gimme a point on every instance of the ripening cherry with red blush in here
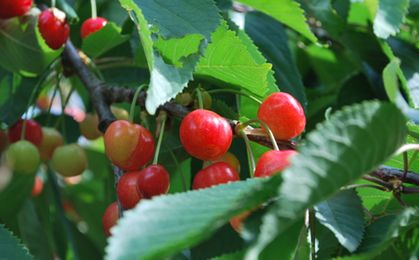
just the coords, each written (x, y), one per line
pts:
(33, 132)
(283, 114)
(153, 180)
(215, 174)
(127, 189)
(110, 217)
(53, 27)
(205, 134)
(92, 25)
(129, 146)
(273, 162)
(13, 8)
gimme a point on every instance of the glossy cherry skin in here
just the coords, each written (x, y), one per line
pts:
(4, 141)
(229, 158)
(215, 174)
(283, 114)
(273, 162)
(205, 134)
(110, 217)
(92, 25)
(38, 186)
(154, 180)
(129, 146)
(127, 189)
(13, 8)
(69, 160)
(33, 132)
(53, 28)
(50, 141)
(23, 157)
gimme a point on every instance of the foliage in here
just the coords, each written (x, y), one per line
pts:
(353, 65)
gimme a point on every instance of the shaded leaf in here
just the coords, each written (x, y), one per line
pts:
(11, 247)
(343, 215)
(390, 16)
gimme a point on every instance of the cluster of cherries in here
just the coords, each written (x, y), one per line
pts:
(52, 23)
(36, 143)
(205, 135)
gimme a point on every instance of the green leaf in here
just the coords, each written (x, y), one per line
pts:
(390, 16)
(271, 39)
(228, 59)
(287, 12)
(11, 247)
(386, 229)
(351, 143)
(103, 40)
(343, 215)
(175, 49)
(22, 49)
(390, 80)
(152, 229)
(68, 10)
(171, 19)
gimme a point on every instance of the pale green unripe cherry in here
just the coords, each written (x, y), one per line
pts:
(23, 157)
(69, 160)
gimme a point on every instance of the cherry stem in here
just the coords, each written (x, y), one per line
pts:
(250, 157)
(238, 92)
(161, 119)
(133, 102)
(94, 10)
(52, 3)
(23, 133)
(200, 100)
(266, 128)
(51, 103)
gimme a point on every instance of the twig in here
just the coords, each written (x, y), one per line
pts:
(312, 227)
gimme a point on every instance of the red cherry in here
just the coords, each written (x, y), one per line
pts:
(153, 181)
(217, 173)
(92, 25)
(33, 132)
(110, 217)
(53, 27)
(12, 8)
(205, 134)
(129, 146)
(4, 141)
(283, 114)
(272, 162)
(37, 186)
(127, 189)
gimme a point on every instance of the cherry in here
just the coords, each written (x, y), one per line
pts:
(229, 158)
(33, 132)
(129, 146)
(38, 186)
(89, 127)
(272, 162)
(127, 189)
(110, 217)
(69, 160)
(13, 8)
(4, 141)
(217, 173)
(206, 100)
(92, 25)
(53, 27)
(23, 157)
(120, 113)
(283, 114)
(154, 180)
(51, 140)
(205, 134)
(184, 98)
